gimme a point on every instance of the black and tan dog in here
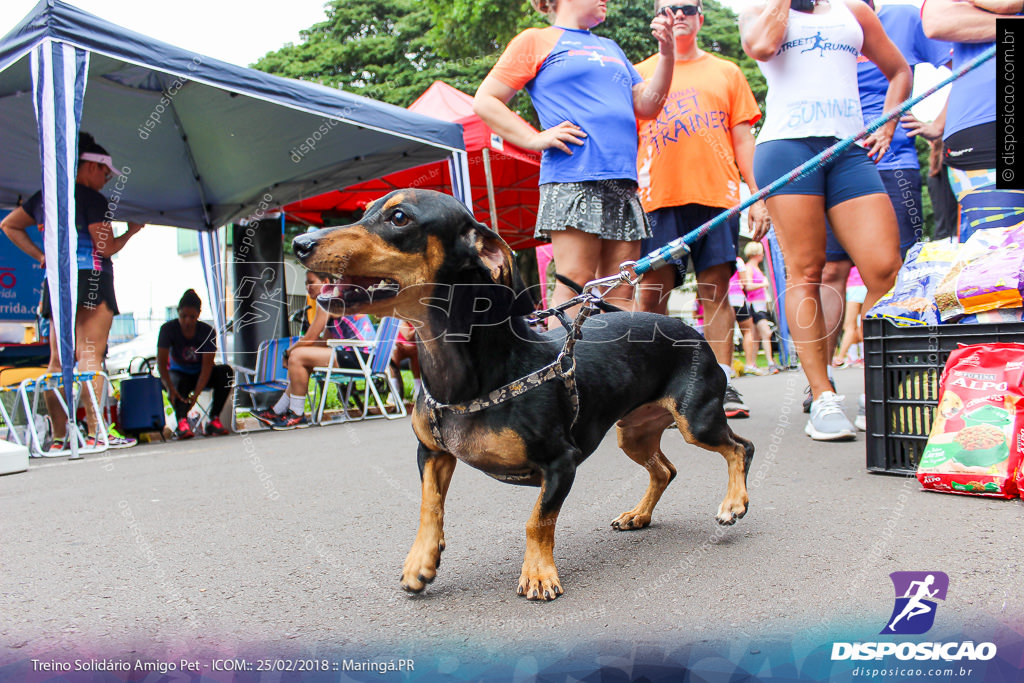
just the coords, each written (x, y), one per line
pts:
(421, 256)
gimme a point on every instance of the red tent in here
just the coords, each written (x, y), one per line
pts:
(513, 174)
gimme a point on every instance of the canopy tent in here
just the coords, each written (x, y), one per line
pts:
(201, 142)
(509, 172)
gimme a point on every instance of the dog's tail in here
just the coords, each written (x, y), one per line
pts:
(604, 306)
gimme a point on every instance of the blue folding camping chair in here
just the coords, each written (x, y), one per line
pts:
(265, 382)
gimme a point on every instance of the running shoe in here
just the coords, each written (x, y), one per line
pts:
(828, 422)
(733, 404)
(58, 448)
(184, 431)
(267, 417)
(216, 428)
(116, 439)
(808, 397)
(290, 421)
(861, 421)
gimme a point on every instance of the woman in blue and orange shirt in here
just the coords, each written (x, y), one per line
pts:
(587, 96)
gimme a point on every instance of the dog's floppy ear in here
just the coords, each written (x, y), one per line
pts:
(494, 254)
(487, 252)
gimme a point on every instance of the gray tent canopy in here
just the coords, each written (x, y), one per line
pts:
(205, 141)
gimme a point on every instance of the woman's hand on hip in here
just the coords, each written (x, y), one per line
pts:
(877, 144)
(557, 136)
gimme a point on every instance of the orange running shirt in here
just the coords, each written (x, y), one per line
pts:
(686, 154)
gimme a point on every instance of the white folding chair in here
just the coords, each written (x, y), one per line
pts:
(371, 366)
(55, 382)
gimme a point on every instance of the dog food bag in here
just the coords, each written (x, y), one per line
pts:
(911, 301)
(994, 281)
(1002, 315)
(976, 443)
(984, 276)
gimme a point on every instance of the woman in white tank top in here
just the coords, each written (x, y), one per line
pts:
(808, 51)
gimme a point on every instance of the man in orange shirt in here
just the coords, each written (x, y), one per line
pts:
(689, 163)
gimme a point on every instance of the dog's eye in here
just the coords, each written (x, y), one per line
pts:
(398, 219)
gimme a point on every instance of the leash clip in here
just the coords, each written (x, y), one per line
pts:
(624, 273)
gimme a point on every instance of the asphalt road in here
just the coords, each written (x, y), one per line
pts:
(291, 543)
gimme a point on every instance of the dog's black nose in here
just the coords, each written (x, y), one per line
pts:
(303, 246)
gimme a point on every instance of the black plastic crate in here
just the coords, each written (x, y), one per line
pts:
(902, 367)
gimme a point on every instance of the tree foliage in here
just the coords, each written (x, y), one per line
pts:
(383, 49)
(392, 50)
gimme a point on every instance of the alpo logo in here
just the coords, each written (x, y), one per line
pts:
(916, 595)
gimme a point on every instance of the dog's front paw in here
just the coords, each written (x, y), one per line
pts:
(421, 566)
(730, 513)
(628, 521)
(540, 583)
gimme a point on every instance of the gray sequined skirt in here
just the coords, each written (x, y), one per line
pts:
(609, 209)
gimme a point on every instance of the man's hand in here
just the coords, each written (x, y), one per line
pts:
(758, 220)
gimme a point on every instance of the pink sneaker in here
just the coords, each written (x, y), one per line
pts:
(183, 431)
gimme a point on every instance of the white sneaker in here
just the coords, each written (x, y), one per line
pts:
(861, 421)
(828, 422)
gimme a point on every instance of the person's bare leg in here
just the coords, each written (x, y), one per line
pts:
(652, 292)
(749, 342)
(576, 256)
(866, 227)
(613, 254)
(92, 330)
(849, 332)
(764, 332)
(719, 318)
(301, 361)
(833, 298)
(58, 418)
(800, 226)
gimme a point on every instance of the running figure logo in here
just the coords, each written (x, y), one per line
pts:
(819, 44)
(916, 593)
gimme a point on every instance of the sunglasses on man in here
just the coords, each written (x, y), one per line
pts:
(687, 10)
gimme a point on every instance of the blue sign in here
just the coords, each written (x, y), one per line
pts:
(21, 279)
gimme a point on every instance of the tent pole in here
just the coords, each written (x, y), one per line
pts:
(492, 205)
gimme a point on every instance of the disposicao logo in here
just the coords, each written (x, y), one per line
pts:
(916, 593)
(913, 614)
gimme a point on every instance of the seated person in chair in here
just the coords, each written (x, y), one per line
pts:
(311, 351)
(184, 353)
